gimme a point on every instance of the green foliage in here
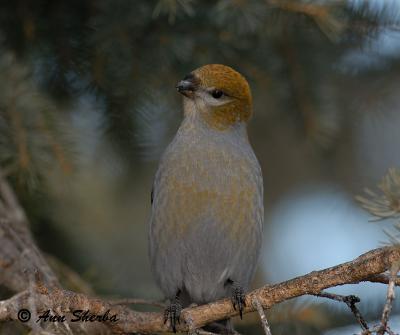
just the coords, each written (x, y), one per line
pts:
(30, 136)
(120, 51)
(385, 204)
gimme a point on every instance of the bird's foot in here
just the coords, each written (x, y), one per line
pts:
(237, 297)
(173, 313)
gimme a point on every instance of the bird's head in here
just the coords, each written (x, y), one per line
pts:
(219, 94)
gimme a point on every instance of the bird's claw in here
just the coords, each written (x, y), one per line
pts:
(238, 299)
(173, 314)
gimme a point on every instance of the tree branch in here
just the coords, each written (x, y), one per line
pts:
(360, 269)
(23, 268)
(19, 254)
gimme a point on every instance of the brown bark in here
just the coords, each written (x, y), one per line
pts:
(23, 269)
(360, 269)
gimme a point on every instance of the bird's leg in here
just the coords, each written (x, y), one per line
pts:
(173, 312)
(237, 296)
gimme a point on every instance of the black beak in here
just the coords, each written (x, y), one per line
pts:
(187, 85)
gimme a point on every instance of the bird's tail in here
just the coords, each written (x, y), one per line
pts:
(220, 327)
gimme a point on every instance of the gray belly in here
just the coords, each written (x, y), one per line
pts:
(206, 222)
(202, 261)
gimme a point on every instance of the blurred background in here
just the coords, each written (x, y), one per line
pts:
(88, 103)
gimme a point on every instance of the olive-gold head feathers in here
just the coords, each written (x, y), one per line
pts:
(221, 94)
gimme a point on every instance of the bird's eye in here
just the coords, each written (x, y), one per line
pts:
(217, 94)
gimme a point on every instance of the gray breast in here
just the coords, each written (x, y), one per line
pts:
(206, 216)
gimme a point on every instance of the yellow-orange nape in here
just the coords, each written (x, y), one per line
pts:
(234, 86)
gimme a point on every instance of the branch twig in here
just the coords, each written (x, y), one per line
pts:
(389, 299)
(263, 317)
(350, 301)
(383, 278)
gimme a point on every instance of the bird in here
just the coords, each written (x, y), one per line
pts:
(207, 211)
